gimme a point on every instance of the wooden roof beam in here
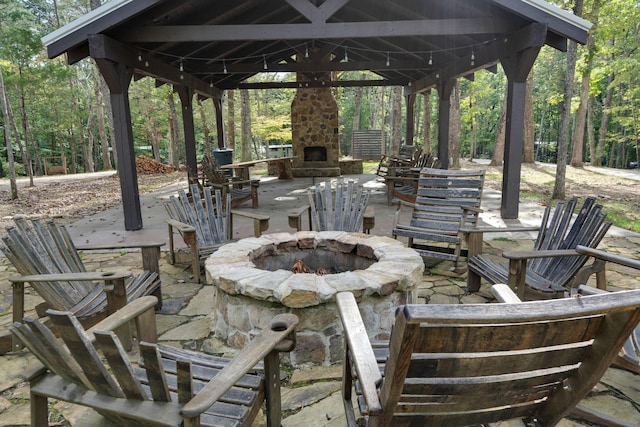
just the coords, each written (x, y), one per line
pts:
(261, 32)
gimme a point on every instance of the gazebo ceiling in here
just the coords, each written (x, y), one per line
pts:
(212, 46)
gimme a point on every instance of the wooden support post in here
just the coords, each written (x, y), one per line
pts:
(186, 99)
(444, 92)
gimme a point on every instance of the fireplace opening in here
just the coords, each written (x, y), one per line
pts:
(315, 154)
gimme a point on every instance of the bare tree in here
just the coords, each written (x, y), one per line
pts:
(4, 104)
(396, 120)
(498, 147)
(245, 113)
(455, 128)
(565, 115)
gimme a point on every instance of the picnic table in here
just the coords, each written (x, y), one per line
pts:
(241, 169)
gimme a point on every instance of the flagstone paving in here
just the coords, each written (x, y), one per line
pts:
(310, 396)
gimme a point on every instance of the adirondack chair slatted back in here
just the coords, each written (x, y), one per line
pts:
(36, 247)
(558, 232)
(343, 211)
(212, 224)
(446, 201)
(456, 365)
(169, 387)
(212, 171)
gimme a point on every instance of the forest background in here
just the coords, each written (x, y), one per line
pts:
(582, 105)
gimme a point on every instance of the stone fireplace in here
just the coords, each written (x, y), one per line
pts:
(314, 128)
(253, 282)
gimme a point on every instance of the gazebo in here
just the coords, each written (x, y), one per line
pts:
(203, 48)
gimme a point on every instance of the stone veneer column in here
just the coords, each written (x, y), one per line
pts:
(314, 123)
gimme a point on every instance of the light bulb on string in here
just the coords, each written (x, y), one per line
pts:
(473, 57)
(264, 62)
(346, 55)
(430, 58)
(181, 70)
(387, 58)
(306, 51)
(224, 66)
(139, 57)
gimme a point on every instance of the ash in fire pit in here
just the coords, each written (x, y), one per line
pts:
(254, 282)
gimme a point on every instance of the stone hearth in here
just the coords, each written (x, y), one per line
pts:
(253, 282)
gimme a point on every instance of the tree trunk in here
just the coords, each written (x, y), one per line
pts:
(174, 133)
(100, 118)
(577, 155)
(604, 122)
(230, 132)
(245, 113)
(205, 126)
(565, 115)
(591, 138)
(529, 131)
(25, 131)
(454, 126)
(396, 120)
(4, 104)
(498, 147)
(426, 128)
(357, 108)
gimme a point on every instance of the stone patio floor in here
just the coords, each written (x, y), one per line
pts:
(310, 396)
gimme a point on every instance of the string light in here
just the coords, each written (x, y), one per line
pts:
(473, 58)
(430, 58)
(306, 51)
(387, 58)
(224, 66)
(139, 57)
(346, 55)
(264, 62)
(181, 70)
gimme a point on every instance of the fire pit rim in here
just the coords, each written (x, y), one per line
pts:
(397, 268)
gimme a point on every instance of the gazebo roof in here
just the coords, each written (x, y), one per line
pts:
(212, 46)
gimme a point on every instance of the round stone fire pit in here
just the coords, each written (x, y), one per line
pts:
(254, 281)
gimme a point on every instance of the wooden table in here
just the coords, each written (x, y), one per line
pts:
(241, 169)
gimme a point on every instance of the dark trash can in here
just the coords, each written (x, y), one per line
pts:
(223, 156)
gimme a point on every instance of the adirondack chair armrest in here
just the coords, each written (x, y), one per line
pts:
(524, 255)
(70, 277)
(475, 235)
(109, 246)
(503, 293)
(608, 257)
(278, 336)
(180, 226)
(362, 356)
(141, 309)
(295, 216)
(260, 221)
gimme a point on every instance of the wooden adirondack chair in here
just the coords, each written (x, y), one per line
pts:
(459, 364)
(553, 266)
(346, 210)
(629, 356)
(407, 157)
(45, 256)
(446, 201)
(402, 182)
(171, 387)
(203, 226)
(240, 190)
